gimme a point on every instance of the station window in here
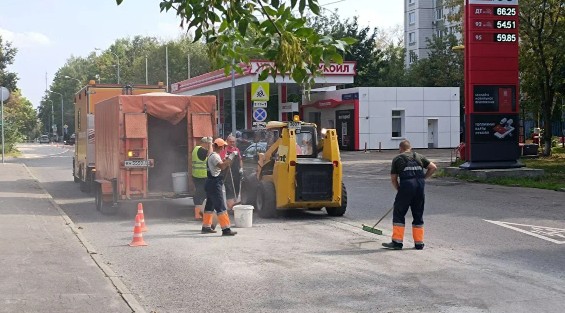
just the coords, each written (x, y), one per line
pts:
(397, 123)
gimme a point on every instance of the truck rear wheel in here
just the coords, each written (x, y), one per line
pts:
(266, 200)
(102, 206)
(339, 211)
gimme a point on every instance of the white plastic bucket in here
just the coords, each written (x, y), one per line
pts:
(180, 182)
(243, 216)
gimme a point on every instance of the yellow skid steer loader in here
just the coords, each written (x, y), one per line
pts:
(297, 171)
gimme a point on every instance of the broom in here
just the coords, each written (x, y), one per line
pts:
(373, 229)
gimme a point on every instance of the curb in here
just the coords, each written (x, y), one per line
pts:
(124, 292)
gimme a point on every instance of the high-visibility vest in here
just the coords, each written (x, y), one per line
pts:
(198, 167)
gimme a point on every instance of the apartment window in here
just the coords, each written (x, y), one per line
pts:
(412, 18)
(397, 123)
(411, 38)
(412, 57)
(439, 13)
(411, 1)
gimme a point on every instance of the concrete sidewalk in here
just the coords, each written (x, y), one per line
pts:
(45, 264)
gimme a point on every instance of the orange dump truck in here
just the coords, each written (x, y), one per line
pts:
(85, 106)
(144, 146)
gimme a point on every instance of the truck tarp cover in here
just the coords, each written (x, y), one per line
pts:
(109, 123)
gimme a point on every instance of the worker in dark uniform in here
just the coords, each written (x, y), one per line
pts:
(213, 187)
(199, 157)
(409, 167)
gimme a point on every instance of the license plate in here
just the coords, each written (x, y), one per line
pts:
(295, 125)
(137, 163)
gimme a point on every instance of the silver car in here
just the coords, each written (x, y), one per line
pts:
(44, 139)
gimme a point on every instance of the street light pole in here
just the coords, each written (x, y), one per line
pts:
(52, 116)
(146, 77)
(78, 80)
(4, 95)
(62, 114)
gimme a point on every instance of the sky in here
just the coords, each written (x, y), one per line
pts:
(48, 32)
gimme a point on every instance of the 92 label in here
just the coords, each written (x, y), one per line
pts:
(505, 37)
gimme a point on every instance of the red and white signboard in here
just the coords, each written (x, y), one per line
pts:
(346, 68)
(491, 83)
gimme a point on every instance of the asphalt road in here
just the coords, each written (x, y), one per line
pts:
(488, 249)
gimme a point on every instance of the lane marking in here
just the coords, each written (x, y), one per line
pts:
(555, 235)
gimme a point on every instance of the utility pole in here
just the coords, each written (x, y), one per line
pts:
(146, 77)
(167, 65)
(188, 65)
(233, 126)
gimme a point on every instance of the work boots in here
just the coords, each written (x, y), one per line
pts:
(208, 230)
(393, 245)
(228, 232)
(419, 246)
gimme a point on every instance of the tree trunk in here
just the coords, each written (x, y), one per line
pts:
(547, 105)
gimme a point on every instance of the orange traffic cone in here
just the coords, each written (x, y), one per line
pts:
(140, 213)
(137, 234)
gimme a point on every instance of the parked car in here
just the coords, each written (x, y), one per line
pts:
(250, 154)
(44, 139)
(71, 140)
(246, 137)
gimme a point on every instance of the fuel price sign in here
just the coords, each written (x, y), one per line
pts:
(491, 83)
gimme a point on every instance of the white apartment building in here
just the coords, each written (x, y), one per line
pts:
(422, 20)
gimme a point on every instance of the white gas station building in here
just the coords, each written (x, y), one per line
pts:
(372, 116)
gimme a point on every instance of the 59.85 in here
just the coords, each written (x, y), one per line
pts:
(505, 37)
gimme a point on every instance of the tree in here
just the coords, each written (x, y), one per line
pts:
(442, 68)
(20, 120)
(281, 36)
(363, 51)
(19, 115)
(7, 55)
(541, 57)
(132, 53)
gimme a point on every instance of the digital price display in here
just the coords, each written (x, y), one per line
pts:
(491, 83)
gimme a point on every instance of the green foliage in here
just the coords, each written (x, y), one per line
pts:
(7, 55)
(19, 116)
(281, 36)
(542, 62)
(380, 61)
(133, 55)
(442, 68)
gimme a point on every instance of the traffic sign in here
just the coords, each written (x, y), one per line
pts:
(260, 114)
(260, 91)
(259, 104)
(259, 125)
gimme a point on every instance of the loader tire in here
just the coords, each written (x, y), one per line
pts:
(339, 211)
(249, 187)
(266, 200)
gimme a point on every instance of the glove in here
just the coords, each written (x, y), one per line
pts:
(231, 156)
(240, 171)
